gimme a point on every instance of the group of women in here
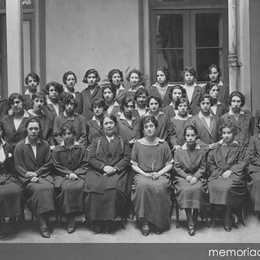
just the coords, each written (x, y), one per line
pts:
(113, 150)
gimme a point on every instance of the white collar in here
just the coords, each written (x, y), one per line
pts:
(122, 116)
(177, 116)
(28, 142)
(231, 112)
(184, 147)
(202, 116)
(63, 143)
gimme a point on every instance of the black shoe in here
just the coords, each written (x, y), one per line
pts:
(228, 228)
(108, 227)
(96, 229)
(45, 232)
(145, 229)
(235, 220)
(43, 227)
(191, 229)
(71, 226)
(158, 231)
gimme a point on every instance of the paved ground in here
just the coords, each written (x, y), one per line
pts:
(28, 233)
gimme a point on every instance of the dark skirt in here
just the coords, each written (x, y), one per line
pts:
(40, 197)
(152, 200)
(70, 196)
(226, 192)
(254, 189)
(106, 206)
(191, 196)
(11, 200)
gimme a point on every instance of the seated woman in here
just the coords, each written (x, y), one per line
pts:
(105, 182)
(152, 163)
(11, 194)
(190, 179)
(14, 125)
(70, 165)
(109, 95)
(32, 158)
(70, 116)
(46, 122)
(227, 165)
(140, 99)
(180, 121)
(253, 182)
(94, 126)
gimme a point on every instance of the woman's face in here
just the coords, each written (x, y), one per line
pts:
(154, 105)
(161, 78)
(128, 109)
(32, 84)
(190, 136)
(205, 105)
(236, 104)
(108, 95)
(116, 79)
(149, 129)
(53, 93)
(98, 110)
(70, 81)
(69, 107)
(67, 136)
(176, 94)
(17, 106)
(109, 126)
(33, 130)
(134, 79)
(91, 79)
(227, 135)
(189, 78)
(214, 75)
(38, 103)
(182, 109)
(141, 100)
(214, 92)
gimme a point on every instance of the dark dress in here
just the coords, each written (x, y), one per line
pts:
(192, 163)
(4, 107)
(153, 91)
(194, 102)
(93, 131)
(11, 194)
(230, 191)
(253, 183)
(170, 110)
(69, 192)
(152, 198)
(40, 195)
(78, 98)
(106, 195)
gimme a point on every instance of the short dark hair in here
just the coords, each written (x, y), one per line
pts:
(14, 96)
(158, 99)
(39, 95)
(69, 98)
(58, 87)
(100, 102)
(202, 97)
(217, 68)
(111, 87)
(34, 76)
(33, 120)
(88, 72)
(180, 101)
(190, 127)
(138, 72)
(110, 116)
(237, 94)
(146, 120)
(69, 126)
(209, 86)
(229, 125)
(191, 70)
(66, 74)
(125, 101)
(165, 71)
(114, 71)
(141, 91)
(183, 91)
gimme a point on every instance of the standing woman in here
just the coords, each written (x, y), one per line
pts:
(14, 125)
(176, 92)
(242, 119)
(106, 178)
(32, 158)
(190, 180)
(90, 93)
(115, 77)
(109, 95)
(94, 126)
(152, 163)
(227, 165)
(140, 99)
(135, 80)
(70, 79)
(70, 165)
(161, 87)
(11, 194)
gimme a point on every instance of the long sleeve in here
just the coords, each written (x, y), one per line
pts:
(125, 159)
(177, 166)
(253, 155)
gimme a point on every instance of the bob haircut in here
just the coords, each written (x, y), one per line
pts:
(88, 72)
(114, 71)
(181, 101)
(140, 92)
(99, 103)
(66, 74)
(190, 70)
(33, 120)
(209, 86)
(190, 127)
(138, 72)
(237, 94)
(69, 99)
(58, 87)
(165, 71)
(183, 92)
(158, 99)
(110, 116)
(111, 87)
(70, 127)
(146, 120)
(33, 76)
(2, 128)
(14, 96)
(217, 68)
(208, 96)
(39, 95)
(125, 101)
(229, 125)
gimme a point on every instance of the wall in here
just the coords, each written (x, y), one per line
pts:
(255, 52)
(80, 35)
